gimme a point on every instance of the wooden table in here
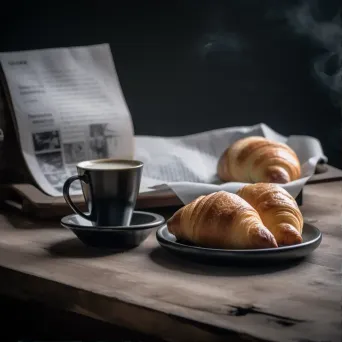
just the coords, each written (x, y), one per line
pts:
(153, 292)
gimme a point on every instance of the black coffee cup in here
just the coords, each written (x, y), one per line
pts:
(110, 188)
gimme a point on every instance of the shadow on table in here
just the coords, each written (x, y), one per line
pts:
(171, 262)
(74, 248)
(19, 220)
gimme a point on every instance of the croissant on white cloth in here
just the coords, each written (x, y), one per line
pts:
(257, 159)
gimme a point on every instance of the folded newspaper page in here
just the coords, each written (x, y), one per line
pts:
(68, 107)
(187, 164)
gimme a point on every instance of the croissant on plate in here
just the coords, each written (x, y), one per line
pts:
(221, 220)
(277, 209)
(257, 159)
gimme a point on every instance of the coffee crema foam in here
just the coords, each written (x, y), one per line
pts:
(109, 165)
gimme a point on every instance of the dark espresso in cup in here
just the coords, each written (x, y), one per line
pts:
(110, 188)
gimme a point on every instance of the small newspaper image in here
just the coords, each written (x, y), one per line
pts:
(68, 107)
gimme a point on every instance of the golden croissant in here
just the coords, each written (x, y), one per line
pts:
(277, 209)
(257, 159)
(221, 220)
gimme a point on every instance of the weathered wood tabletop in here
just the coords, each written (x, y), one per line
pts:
(153, 292)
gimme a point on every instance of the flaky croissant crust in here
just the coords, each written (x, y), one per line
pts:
(221, 220)
(277, 209)
(257, 159)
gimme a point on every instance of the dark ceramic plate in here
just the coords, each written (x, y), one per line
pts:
(114, 237)
(311, 240)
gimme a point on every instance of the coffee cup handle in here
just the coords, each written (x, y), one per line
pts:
(66, 194)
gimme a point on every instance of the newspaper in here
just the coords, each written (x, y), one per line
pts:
(188, 164)
(68, 106)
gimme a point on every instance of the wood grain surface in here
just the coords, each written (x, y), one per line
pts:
(152, 292)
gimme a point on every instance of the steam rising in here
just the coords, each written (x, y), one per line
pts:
(225, 41)
(327, 35)
(304, 20)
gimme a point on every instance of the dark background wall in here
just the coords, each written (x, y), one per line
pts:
(190, 66)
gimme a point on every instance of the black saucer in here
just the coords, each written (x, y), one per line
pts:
(122, 237)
